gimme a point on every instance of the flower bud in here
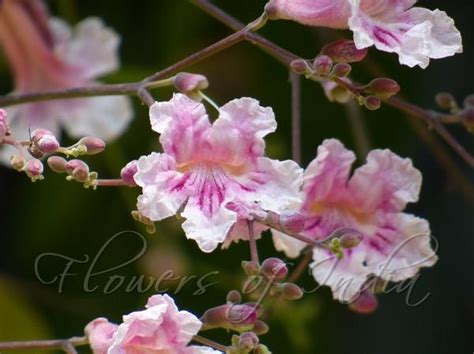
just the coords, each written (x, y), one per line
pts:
(247, 342)
(341, 70)
(44, 141)
(93, 145)
(274, 268)
(261, 349)
(260, 328)
(57, 164)
(100, 333)
(366, 303)
(291, 291)
(351, 240)
(187, 82)
(383, 88)
(322, 65)
(372, 103)
(344, 51)
(300, 66)
(231, 316)
(234, 297)
(445, 100)
(3, 124)
(78, 170)
(34, 169)
(17, 162)
(128, 172)
(292, 222)
(251, 268)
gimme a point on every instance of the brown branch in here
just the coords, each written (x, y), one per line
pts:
(62, 344)
(295, 81)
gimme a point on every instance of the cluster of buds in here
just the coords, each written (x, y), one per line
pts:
(191, 84)
(76, 170)
(42, 142)
(247, 343)
(461, 114)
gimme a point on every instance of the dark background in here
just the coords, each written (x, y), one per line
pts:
(61, 217)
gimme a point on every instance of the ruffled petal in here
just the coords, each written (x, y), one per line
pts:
(163, 188)
(326, 176)
(91, 47)
(386, 182)
(289, 245)
(183, 125)
(237, 135)
(415, 35)
(196, 349)
(103, 117)
(208, 230)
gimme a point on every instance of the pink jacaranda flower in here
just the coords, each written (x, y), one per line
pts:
(100, 333)
(160, 328)
(416, 34)
(46, 54)
(218, 171)
(393, 245)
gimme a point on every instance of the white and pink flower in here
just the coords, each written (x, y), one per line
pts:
(218, 171)
(416, 34)
(46, 54)
(395, 245)
(160, 328)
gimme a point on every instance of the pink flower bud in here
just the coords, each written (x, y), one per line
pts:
(322, 65)
(383, 88)
(3, 124)
(372, 103)
(128, 172)
(365, 304)
(100, 333)
(251, 268)
(291, 291)
(77, 169)
(300, 66)
(187, 82)
(232, 316)
(234, 297)
(57, 164)
(247, 342)
(260, 328)
(344, 51)
(274, 268)
(93, 145)
(34, 169)
(445, 100)
(341, 70)
(17, 162)
(43, 142)
(292, 222)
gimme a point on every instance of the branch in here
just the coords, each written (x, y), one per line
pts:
(295, 80)
(286, 57)
(62, 344)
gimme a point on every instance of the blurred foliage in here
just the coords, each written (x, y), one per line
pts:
(60, 217)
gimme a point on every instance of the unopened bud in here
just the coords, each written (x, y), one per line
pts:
(187, 82)
(383, 88)
(251, 268)
(341, 70)
(44, 141)
(3, 124)
(260, 328)
(274, 268)
(322, 65)
(34, 169)
(445, 100)
(372, 103)
(78, 170)
(234, 297)
(93, 145)
(57, 164)
(247, 342)
(261, 349)
(17, 162)
(292, 222)
(344, 51)
(366, 303)
(300, 66)
(291, 291)
(351, 240)
(128, 172)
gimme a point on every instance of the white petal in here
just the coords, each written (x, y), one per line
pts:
(289, 245)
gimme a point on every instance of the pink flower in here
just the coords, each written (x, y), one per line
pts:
(100, 333)
(416, 34)
(45, 54)
(209, 166)
(160, 329)
(395, 245)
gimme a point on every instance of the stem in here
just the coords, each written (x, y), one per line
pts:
(64, 344)
(295, 80)
(359, 131)
(110, 183)
(301, 267)
(209, 343)
(252, 243)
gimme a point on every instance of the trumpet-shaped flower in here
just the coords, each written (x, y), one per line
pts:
(45, 54)
(218, 171)
(161, 328)
(416, 34)
(394, 245)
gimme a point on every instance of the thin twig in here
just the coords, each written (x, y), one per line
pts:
(301, 267)
(358, 129)
(252, 242)
(209, 343)
(295, 81)
(62, 344)
(110, 183)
